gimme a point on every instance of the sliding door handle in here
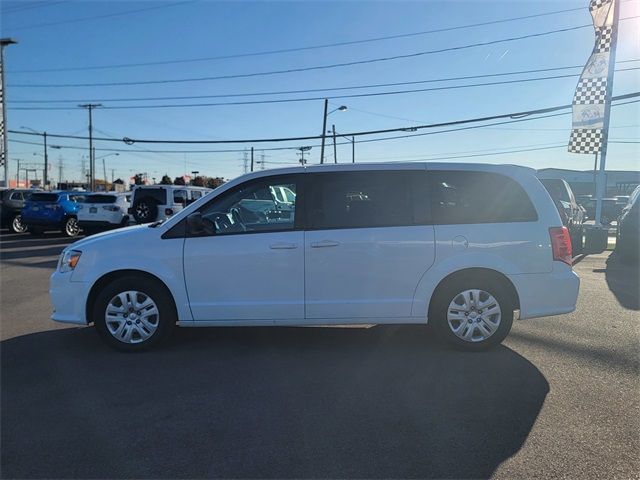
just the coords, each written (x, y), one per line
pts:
(283, 246)
(324, 243)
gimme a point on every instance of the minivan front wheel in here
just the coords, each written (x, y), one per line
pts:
(133, 313)
(472, 315)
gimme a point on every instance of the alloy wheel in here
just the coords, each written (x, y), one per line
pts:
(17, 225)
(71, 227)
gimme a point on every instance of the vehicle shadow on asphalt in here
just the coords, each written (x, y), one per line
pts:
(623, 279)
(263, 403)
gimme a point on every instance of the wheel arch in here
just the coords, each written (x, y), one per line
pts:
(107, 278)
(485, 273)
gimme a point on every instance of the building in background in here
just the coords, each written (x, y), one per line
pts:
(618, 182)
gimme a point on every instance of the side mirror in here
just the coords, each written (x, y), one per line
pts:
(195, 224)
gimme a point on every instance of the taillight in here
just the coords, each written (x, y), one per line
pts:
(168, 211)
(111, 208)
(561, 244)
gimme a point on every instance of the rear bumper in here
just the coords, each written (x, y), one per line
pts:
(68, 298)
(546, 294)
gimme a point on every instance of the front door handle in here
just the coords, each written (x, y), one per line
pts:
(324, 243)
(283, 246)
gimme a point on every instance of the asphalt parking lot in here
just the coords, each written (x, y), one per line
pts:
(561, 398)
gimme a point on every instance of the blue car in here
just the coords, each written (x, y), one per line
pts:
(52, 211)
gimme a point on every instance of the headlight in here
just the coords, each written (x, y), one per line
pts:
(69, 260)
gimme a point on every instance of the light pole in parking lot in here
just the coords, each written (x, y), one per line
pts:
(351, 139)
(341, 108)
(4, 42)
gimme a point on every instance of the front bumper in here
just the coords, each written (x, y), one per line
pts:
(546, 294)
(69, 298)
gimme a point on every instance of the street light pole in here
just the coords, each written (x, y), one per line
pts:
(5, 149)
(324, 128)
(335, 151)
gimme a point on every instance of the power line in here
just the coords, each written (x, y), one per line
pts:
(513, 116)
(30, 6)
(299, 49)
(305, 69)
(312, 90)
(310, 99)
(96, 17)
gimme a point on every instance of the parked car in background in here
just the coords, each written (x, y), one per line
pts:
(44, 211)
(611, 209)
(628, 231)
(11, 203)
(152, 203)
(352, 248)
(103, 211)
(571, 213)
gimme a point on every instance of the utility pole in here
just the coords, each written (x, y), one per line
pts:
(335, 151)
(17, 175)
(324, 128)
(252, 159)
(60, 169)
(112, 175)
(302, 150)
(245, 161)
(104, 170)
(92, 166)
(46, 161)
(4, 158)
(353, 149)
(262, 160)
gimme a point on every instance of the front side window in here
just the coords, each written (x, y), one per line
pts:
(364, 199)
(195, 194)
(478, 197)
(16, 196)
(251, 207)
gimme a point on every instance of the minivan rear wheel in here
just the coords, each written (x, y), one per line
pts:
(472, 313)
(133, 313)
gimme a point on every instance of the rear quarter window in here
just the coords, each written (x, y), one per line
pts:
(459, 197)
(44, 197)
(157, 194)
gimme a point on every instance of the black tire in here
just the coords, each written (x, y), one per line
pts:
(627, 249)
(35, 230)
(16, 224)
(157, 292)
(145, 210)
(71, 228)
(447, 292)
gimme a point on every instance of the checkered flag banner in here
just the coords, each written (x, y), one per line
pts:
(590, 97)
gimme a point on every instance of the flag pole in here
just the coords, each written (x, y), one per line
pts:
(601, 179)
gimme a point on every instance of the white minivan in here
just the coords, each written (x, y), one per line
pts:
(461, 246)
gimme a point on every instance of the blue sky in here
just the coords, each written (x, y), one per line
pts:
(208, 28)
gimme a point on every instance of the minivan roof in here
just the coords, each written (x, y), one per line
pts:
(393, 166)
